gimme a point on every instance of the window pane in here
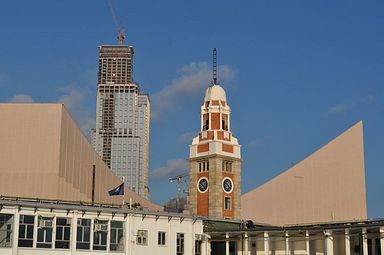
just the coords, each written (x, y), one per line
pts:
(67, 233)
(21, 231)
(79, 234)
(29, 219)
(59, 233)
(30, 231)
(48, 235)
(87, 233)
(113, 236)
(40, 235)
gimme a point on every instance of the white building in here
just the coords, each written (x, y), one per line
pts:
(48, 227)
(39, 227)
(121, 136)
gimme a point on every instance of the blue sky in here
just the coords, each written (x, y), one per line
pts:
(297, 73)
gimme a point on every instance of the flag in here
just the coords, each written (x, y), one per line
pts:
(119, 190)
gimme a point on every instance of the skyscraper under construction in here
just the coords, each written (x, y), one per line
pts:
(121, 135)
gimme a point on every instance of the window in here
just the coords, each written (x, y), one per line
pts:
(6, 222)
(224, 122)
(100, 233)
(83, 234)
(161, 238)
(44, 232)
(26, 230)
(226, 166)
(180, 244)
(117, 234)
(197, 247)
(63, 233)
(227, 203)
(205, 122)
(142, 237)
(204, 166)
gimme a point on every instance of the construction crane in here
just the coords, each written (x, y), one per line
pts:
(178, 179)
(120, 29)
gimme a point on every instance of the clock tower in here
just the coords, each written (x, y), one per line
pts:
(215, 161)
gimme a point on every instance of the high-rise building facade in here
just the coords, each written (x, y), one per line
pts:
(215, 161)
(121, 135)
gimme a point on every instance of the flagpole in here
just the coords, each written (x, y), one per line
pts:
(124, 190)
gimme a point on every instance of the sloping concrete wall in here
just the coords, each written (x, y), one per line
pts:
(29, 150)
(328, 185)
(43, 154)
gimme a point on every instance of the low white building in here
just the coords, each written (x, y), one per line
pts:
(31, 227)
(48, 227)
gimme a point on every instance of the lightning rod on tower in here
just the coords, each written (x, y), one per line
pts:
(214, 67)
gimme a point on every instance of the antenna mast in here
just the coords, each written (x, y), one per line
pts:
(120, 29)
(214, 66)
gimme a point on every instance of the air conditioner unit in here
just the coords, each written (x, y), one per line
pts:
(45, 223)
(200, 237)
(97, 227)
(141, 233)
(101, 228)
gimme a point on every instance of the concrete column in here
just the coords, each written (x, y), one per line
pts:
(328, 242)
(347, 242)
(53, 232)
(226, 244)
(207, 246)
(365, 241)
(245, 243)
(91, 234)
(266, 243)
(286, 243)
(15, 234)
(373, 246)
(74, 233)
(35, 227)
(127, 242)
(108, 234)
(307, 242)
(382, 240)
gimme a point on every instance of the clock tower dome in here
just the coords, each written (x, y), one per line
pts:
(215, 161)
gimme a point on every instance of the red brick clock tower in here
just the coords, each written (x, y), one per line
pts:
(215, 161)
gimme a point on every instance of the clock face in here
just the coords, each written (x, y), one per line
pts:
(227, 185)
(203, 184)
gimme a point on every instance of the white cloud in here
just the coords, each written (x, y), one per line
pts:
(349, 105)
(186, 137)
(74, 101)
(340, 108)
(21, 98)
(194, 79)
(173, 167)
(255, 143)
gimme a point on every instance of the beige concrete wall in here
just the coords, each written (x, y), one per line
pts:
(44, 154)
(29, 149)
(329, 185)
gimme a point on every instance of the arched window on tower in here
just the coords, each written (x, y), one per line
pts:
(224, 122)
(205, 122)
